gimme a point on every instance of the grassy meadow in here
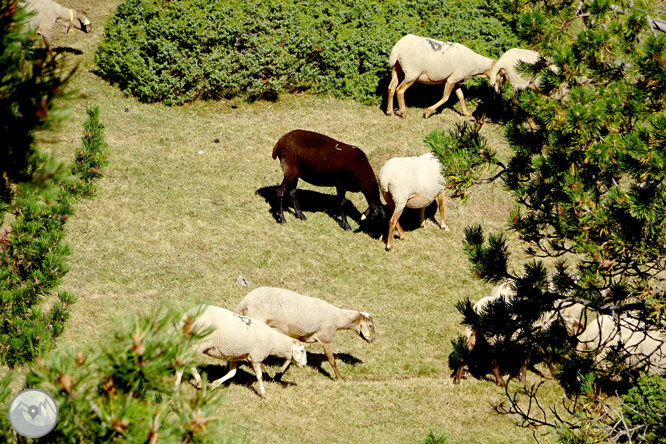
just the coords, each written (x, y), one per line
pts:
(178, 217)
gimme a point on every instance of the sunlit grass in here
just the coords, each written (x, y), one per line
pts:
(179, 217)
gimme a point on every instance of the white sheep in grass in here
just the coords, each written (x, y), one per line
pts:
(430, 61)
(645, 347)
(305, 318)
(571, 313)
(239, 338)
(411, 182)
(505, 70)
(47, 13)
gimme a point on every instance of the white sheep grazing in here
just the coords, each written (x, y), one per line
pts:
(305, 318)
(411, 182)
(505, 71)
(46, 13)
(645, 347)
(430, 61)
(239, 338)
(571, 314)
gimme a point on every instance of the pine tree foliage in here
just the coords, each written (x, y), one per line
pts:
(587, 174)
(29, 89)
(33, 253)
(124, 391)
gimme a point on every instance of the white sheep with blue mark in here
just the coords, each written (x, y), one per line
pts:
(239, 338)
(305, 318)
(430, 61)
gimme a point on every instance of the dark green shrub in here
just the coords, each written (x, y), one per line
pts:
(645, 409)
(177, 51)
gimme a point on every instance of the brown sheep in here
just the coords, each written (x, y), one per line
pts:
(323, 161)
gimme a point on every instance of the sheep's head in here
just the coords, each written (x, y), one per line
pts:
(365, 327)
(374, 220)
(497, 79)
(298, 355)
(80, 21)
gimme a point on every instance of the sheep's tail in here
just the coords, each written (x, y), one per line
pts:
(276, 149)
(393, 58)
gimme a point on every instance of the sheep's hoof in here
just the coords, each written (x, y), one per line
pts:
(427, 113)
(301, 216)
(281, 220)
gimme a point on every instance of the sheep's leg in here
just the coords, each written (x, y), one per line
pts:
(498, 375)
(278, 376)
(402, 107)
(179, 377)
(459, 373)
(401, 232)
(423, 221)
(343, 219)
(233, 365)
(289, 183)
(297, 209)
(197, 377)
(328, 351)
(448, 87)
(440, 204)
(461, 98)
(392, 224)
(257, 370)
(391, 89)
(523, 369)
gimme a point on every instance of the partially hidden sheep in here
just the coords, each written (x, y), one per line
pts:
(239, 338)
(411, 182)
(505, 70)
(644, 347)
(572, 315)
(430, 61)
(48, 13)
(305, 318)
(324, 161)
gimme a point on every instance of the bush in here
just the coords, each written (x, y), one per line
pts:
(645, 409)
(178, 51)
(122, 390)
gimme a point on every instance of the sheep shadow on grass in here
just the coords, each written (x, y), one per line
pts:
(419, 96)
(317, 202)
(244, 374)
(318, 361)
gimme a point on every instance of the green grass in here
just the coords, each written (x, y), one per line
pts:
(170, 225)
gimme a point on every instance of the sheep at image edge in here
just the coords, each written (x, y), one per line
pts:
(239, 338)
(324, 161)
(47, 13)
(430, 61)
(305, 318)
(411, 182)
(644, 346)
